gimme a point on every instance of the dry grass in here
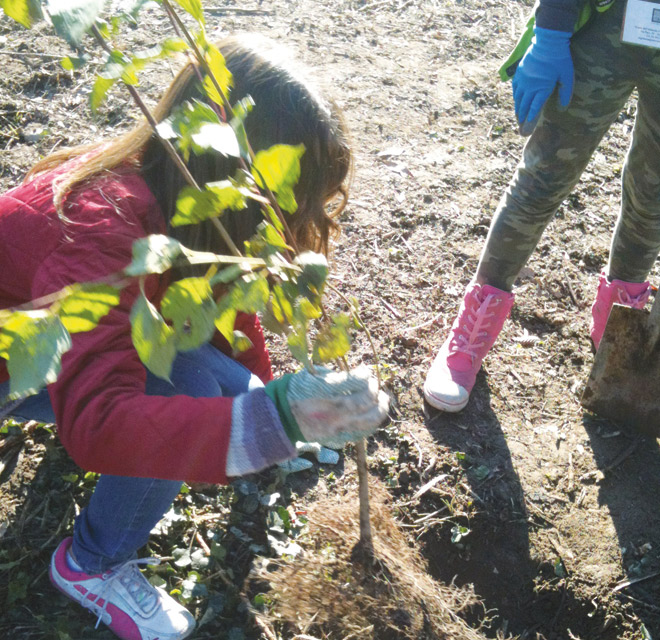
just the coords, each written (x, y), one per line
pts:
(332, 591)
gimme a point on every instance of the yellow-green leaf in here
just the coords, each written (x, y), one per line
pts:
(34, 343)
(194, 8)
(25, 12)
(85, 305)
(278, 168)
(226, 315)
(153, 339)
(218, 68)
(99, 92)
(193, 205)
(333, 341)
(254, 294)
(241, 342)
(189, 304)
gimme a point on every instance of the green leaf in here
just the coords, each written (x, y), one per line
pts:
(271, 236)
(34, 343)
(241, 110)
(219, 137)
(297, 341)
(193, 205)
(154, 254)
(280, 306)
(189, 304)
(85, 305)
(254, 292)
(218, 67)
(226, 315)
(99, 92)
(333, 341)
(25, 12)
(311, 280)
(153, 340)
(194, 8)
(459, 532)
(241, 342)
(185, 122)
(227, 275)
(71, 63)
(73, 18)
(18, 588)
(278, 168)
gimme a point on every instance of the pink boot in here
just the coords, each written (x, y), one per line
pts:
(454, 370)
(630, 294)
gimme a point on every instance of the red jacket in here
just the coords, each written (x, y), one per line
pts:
(104, 419)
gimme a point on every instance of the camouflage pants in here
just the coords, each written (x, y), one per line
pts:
(606, 73)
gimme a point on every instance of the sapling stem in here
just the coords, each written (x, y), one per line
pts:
(169, 147)
(182, 30)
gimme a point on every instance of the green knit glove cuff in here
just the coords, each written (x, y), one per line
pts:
(276, 390)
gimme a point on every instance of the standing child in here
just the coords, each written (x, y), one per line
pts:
(221, 416)
(594, 74)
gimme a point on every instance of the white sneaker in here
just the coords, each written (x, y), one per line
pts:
(123, 599)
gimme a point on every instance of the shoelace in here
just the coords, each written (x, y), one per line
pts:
(468, 344)
(135, 583)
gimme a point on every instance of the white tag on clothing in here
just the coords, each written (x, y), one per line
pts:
(641, 23)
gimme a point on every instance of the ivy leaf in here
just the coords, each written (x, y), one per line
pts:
(189, 304)
(33, 343)
(333, 341)
(25, 12)
(153, 340)
(278, 168)
(85, 305)
(73, 18)
(311, 280)
(194, 8)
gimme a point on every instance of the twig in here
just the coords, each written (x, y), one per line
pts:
(391, 309)
(622, 456)
(425, 324)
(45, 56)
(239, 11)
(572, 294)
(169, 147)
(627, 583)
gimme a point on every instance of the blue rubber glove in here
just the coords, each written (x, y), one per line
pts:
(546, 63)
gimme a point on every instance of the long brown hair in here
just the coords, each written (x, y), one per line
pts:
(287, 111)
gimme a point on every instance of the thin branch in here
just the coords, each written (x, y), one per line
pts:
(181, 28)
(169, 147)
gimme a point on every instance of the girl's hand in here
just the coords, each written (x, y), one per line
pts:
(330, 407)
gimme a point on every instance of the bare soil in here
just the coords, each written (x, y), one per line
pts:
(550, 513)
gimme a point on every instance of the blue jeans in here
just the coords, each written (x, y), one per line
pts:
(123, 510)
